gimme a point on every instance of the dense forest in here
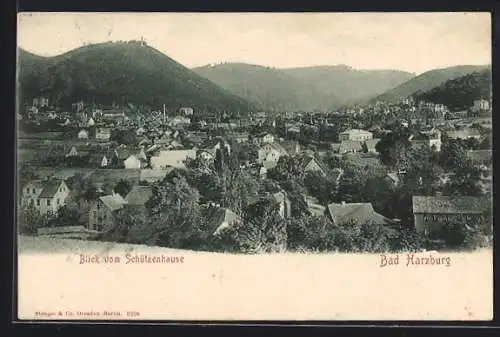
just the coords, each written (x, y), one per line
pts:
(120, 72)
(427, 81)
(460, 93)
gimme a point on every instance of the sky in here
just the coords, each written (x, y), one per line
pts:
(413, 42)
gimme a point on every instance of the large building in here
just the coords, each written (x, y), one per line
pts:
(356, 134)
(47, 196)
(431, 213)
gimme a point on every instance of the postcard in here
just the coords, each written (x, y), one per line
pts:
(254, 166)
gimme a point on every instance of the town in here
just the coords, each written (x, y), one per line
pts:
(398, 174)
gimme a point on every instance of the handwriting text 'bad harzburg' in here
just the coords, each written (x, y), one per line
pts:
(412, 259)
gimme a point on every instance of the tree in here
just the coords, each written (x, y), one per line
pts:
(452, 155)
(321, 187)
(26, 174)
(122, 188)
(262, 228)
(28, 220)
(176, 217)
(465, 181)
(241, 192)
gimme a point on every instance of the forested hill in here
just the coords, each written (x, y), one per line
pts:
(461, 92)
(427, 81)
(308, 88)
(121, 72)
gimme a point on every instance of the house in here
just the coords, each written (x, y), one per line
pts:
(173, 158)
(478, 105)
(311, 164)
(222, 219)
(480, 157)
(83, 134)
(179, 120)
(132, 162)
(91, 122)
(206, 154)
(350, 146)
(432, 213)
(102, 212)
(335, 147)
(40, 102)
(270, 152)
(431, 138)
(45, 195)
(264, 138)
(240, 137)
(356, 135)
(465, 133)
(140, 131)
(359, 213)
(139, 196)
(100, 160)
(153, 175)
(371, 145)
(103, 134)
(186, 111)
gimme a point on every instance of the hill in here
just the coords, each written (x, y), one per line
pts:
(460, 92)
(309, 88)
(268, 88)
(121, 72)
(427, 81)
(346, 85)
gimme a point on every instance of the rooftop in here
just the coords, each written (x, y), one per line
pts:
(449, 205)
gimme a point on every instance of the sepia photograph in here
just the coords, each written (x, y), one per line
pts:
(254, 166)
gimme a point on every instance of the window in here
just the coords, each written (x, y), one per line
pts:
(38, 202)
(27, 191)
(33, 190)
(58, 201)
(48, 202)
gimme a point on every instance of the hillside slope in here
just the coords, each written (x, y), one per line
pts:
(121, 72)
(309, 88)
(427, 81)
(460, 92)
(348, 85)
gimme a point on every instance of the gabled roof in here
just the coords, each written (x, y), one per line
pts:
(480, 155)
(113, 201)
(153, 175)
(49, 187)
(361, 213)
(371, 143)
(449, 205)
(223, 218)
(350, 145)
(139, 195)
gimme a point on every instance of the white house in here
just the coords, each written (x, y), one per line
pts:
(356, 134)
(45, 195)
(172, 158)
(270, 152)
(132, 162)
(103, 134)
(83, 134)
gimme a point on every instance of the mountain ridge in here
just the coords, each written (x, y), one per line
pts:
(308, 88)
(427, 81)
(117, 72)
